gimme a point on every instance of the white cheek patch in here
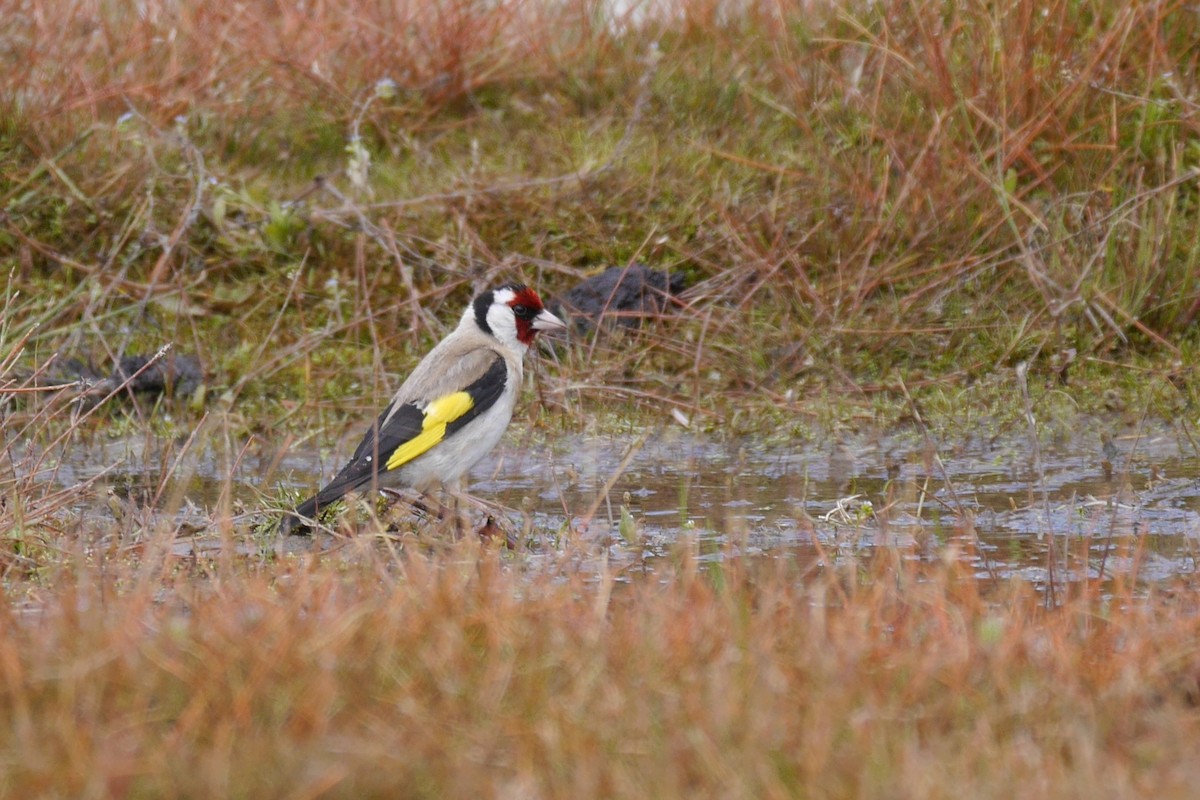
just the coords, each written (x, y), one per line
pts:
(502, 321)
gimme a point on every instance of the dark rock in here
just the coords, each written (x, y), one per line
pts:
(172, 374)
(624, 295)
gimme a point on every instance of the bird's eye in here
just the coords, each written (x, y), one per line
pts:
(521, 311)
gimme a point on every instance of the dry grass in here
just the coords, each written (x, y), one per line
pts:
(881, 208)
(468, 675)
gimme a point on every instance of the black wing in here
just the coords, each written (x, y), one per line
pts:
(484, 392)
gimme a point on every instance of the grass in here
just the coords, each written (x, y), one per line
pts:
(468, 675)
(882, 209)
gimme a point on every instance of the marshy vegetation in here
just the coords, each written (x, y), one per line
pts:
(951, 248)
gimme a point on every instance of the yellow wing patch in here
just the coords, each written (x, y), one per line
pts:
(438, 414)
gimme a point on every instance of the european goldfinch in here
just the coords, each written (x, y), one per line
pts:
(453, 408)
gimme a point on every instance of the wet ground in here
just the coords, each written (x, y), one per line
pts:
(1095, 504)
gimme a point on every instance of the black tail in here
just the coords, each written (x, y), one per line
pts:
(298, 521)
(358, 473)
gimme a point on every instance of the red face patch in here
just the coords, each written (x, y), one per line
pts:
(526, 306)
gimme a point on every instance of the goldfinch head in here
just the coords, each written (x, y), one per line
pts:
(514, 314)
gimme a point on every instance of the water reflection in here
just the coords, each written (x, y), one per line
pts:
(875, 490)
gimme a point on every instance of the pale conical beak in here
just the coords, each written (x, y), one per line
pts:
(545, 321)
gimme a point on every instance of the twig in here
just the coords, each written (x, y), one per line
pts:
(162, 352)
(1039, 469)
(1035, 445)
(186, 220)
(960, 508)
(630, 452)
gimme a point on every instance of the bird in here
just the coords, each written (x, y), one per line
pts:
(451, 410)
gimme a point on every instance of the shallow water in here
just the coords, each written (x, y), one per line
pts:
(1123, 503)
(818, 501)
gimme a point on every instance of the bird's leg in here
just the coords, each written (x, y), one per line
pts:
(431, 507)
(460, 525)
(462, 518)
